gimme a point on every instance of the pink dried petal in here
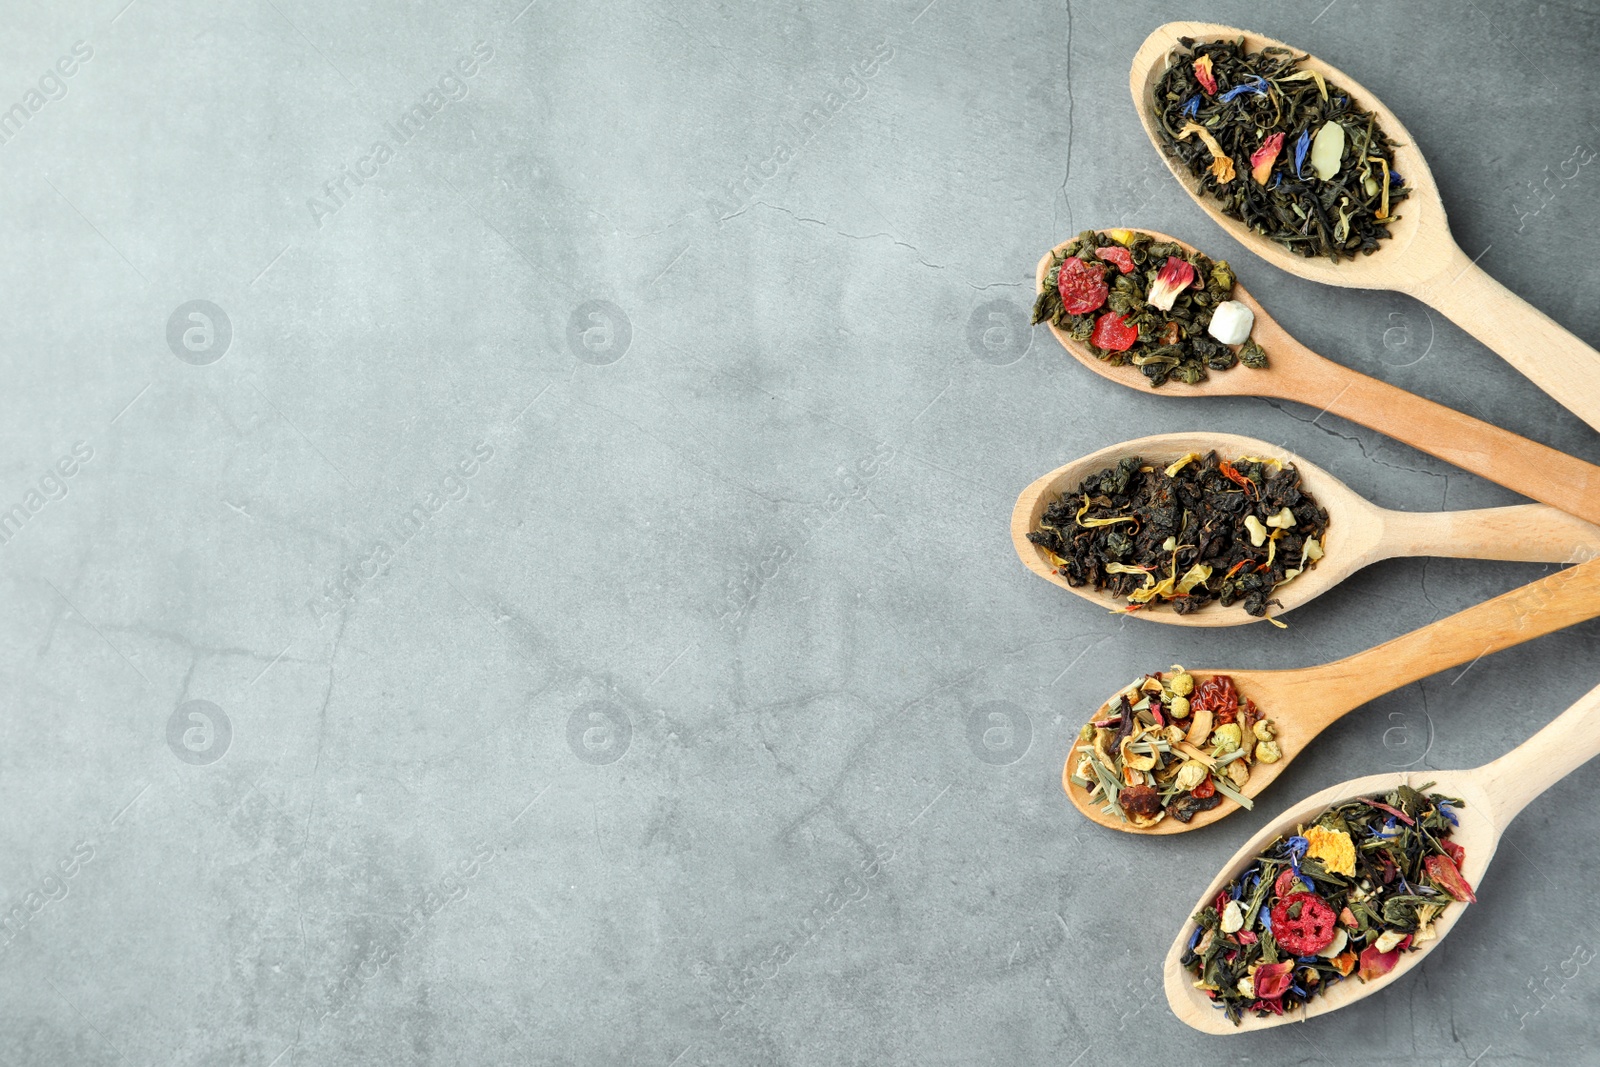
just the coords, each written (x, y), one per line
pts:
(1175, 276)
(1375, 964)
(1272, 979)
(1262, 159)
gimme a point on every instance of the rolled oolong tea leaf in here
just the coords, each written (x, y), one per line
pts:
(1133, 299)
(1320, 180)
(1362, 884)
(1169, 747)
(1197, 531)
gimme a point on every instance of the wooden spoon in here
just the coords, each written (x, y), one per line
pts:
(1302, 703)
(1419, 257)
(1359, 533)
(1294, 372)
(1494, 794)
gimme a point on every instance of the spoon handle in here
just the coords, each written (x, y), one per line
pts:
(1535, 470)
(1571, 740)
(1554, 602)
(1521, 334)
(1532, 533)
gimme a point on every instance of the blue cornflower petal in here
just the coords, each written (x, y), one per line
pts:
(1445, 805)
(1266, 919)
(1395, 179)
(1256, 86)
(1300, 148)
(1277, 180)
(1191, 107)
(1195, 940)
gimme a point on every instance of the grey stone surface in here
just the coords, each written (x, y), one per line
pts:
(711, 448)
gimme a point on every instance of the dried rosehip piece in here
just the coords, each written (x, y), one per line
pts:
(1303, 923)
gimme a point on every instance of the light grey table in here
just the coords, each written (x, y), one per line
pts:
(550, 600)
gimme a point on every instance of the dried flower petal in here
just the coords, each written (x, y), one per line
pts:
(1272, 980)
(1255, 87)
(1262, 159)
(1202, 72)
(1375, 964)
(1174, 277)
(1221, 162)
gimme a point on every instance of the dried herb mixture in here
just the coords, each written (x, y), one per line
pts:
(1169, 747)
(1361, 885)
(1279, 148)
(1131, 298)
(1202, 529)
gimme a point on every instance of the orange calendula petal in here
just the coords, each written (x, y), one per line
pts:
(1202, 71)
(1221, 162)
(1262, 159)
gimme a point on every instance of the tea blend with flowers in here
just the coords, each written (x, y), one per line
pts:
(1348, 894)
(1279, 148)
(1131, 298)
(1167, 746)
(1199, 530)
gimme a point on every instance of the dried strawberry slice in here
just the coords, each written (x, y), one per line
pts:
(1083, 288)
(1280, 888)
(1309, 930)
(1114, 333)
(1118, 255)
(1445, 875)
(1458, 855)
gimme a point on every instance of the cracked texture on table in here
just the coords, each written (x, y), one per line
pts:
(540, 591)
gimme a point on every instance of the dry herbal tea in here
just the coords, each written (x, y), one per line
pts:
(1166, 746)
(1279, 148)
(1133, 299)
(1201, 529)
(1350, 893)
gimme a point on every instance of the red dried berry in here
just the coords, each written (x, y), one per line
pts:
(1280, 888)
(1083, 288)
(1118, 255)
(1205, 789)
(1310, 930)
(1114, 333)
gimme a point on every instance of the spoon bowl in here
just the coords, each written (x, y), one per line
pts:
(1359, 533)
(1493, 795)
(1419, 258)
(1294, 372)
(1419, 234)
(1303, 702)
